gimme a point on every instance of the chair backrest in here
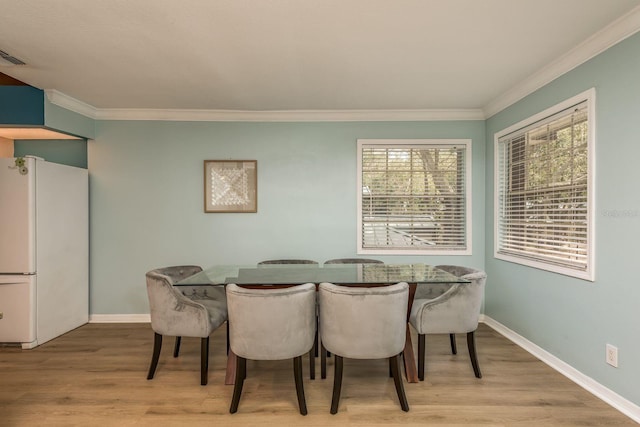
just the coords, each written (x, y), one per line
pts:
(473, 291)
(363, 323)
(179, 272)
(287, 261)
(271, 324)
(458, 270)
(459, 307)
(353, 261)
(171, 312)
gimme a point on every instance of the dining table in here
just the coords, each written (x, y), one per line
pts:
(364, 275)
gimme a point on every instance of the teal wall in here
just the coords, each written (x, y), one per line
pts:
(72, 152)
(147, 197)
(570, 318)
(56, 117)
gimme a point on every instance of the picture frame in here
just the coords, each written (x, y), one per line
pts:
(230, 186)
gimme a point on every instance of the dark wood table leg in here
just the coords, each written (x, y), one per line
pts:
(232, 363)
(408, 357)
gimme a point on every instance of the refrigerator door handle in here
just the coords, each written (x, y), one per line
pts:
(14, 279)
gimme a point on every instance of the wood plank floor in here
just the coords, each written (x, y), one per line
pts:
(96, 375)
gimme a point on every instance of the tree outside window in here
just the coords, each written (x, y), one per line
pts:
(413, 196)
(544, 190)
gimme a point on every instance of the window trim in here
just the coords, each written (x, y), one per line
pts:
(468, 196)
(588, 96)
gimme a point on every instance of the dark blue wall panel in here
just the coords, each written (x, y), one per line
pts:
(21, 105)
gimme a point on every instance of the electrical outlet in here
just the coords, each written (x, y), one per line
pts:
(612, 355)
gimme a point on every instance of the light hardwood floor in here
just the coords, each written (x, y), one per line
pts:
(96, 375)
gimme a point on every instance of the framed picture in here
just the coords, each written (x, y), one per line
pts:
(230, 186)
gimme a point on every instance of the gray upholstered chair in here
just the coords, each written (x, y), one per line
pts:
(173, 314)
(323, 359)
(206, 295)
(287, 261)
(364, 323)
(353, 261)
(296, 261)
(455, 311)
(271, 324)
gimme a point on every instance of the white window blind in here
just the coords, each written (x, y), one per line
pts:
(413, 196)
(543, 191)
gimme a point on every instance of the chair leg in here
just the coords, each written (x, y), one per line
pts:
(157, 346)
(297, 375)
(204, 361)
(391, 367)
(176, 347)
(397, 379)
(316, 348)
(454, 348)
(337, 384)
(421, 356)
(323, 361)
(241, 374)
(312, 365)
(471, 344)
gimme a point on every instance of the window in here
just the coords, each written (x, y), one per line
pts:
(414, 197)
(544, 189)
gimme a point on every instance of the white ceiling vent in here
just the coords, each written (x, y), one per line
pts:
(8, 60)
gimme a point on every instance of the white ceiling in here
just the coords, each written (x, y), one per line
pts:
(265, 55)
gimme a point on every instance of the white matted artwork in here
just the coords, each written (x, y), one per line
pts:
(230, 186)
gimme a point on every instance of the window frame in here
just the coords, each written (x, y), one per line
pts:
(409, 143)
(588, 97)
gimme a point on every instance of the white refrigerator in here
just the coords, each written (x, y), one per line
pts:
(44, 250)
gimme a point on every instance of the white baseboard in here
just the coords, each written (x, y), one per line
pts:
(620, 403)
(120, 318)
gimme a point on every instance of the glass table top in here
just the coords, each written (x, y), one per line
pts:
(346, 274)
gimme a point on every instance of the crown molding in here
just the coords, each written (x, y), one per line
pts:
(289, 115)
(612, 34)
(65, 101)
(194, 115)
